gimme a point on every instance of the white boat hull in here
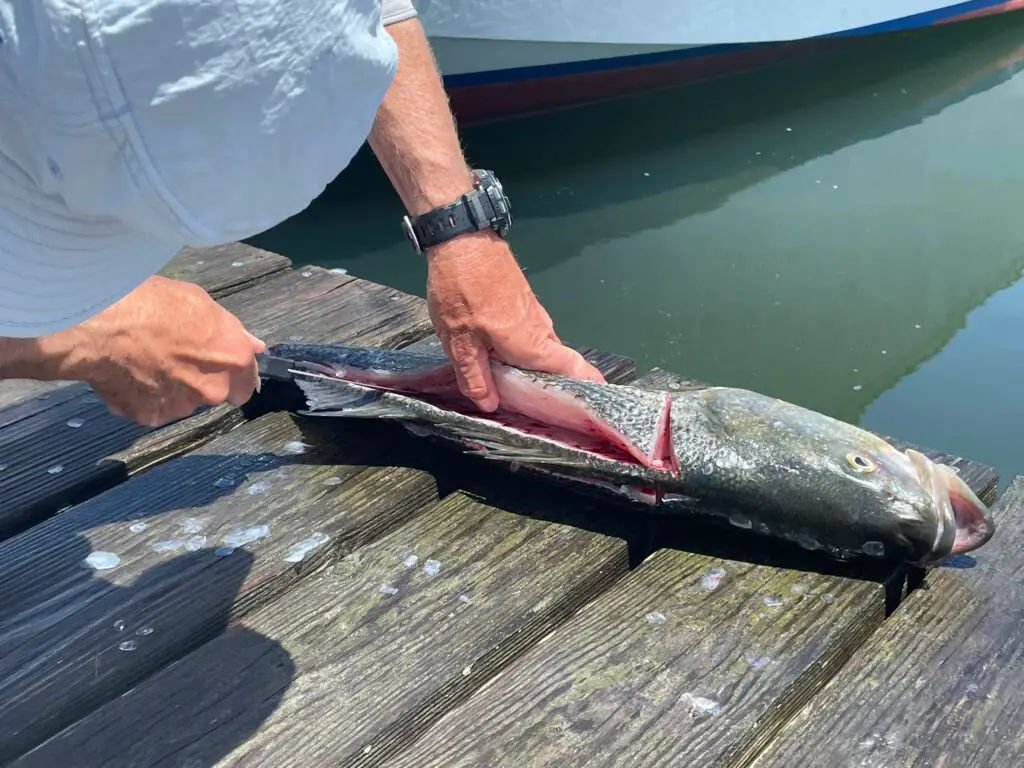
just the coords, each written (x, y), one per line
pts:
(502, 58)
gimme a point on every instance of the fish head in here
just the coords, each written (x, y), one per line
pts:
(880, 501)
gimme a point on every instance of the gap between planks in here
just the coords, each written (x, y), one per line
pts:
(940, 684)
(695, 657)
(183, 506)
(65, 446)
(380, 645)
(62, 625)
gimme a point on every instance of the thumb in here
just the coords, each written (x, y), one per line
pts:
(554, 357)
(257, 344)
(473, 371)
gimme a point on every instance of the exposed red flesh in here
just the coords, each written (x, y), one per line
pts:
(972, 528)
(558, 408)
(439, 379)
(530, 407)
(664, 455)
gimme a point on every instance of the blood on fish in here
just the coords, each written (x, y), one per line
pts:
(623, 440)
(437, 386)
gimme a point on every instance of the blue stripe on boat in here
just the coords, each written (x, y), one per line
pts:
(642, 59)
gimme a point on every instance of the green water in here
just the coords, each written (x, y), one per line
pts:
(845, 232)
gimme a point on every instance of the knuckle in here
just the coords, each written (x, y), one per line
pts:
(475, 392)
(196, 291)
(213, 392)
(150, 419)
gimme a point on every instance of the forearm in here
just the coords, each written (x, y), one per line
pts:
(59, 355)
(27, 359)
(414, 135)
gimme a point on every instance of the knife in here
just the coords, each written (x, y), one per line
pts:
(275, 368)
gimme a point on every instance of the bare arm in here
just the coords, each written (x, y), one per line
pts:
(414, 135)
(26, 359)
(480, 302)
(156, 355)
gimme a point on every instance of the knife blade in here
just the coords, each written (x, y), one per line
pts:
(275, 368)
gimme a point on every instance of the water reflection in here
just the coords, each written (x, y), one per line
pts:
(816, 231)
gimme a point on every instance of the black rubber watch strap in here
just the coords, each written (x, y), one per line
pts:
(483, 207)
(447, 222)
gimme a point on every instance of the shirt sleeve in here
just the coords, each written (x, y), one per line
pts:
(396, 10)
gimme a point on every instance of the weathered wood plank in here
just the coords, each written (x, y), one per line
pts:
(222, 270)
(940, 683)
(346, 308)
(381, 647)
(62, 624)
(697, 658)
(14, 391)
(678, 664)
(225, 269)
(64, 446)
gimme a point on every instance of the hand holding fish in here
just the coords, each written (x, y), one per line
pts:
(482, 306)
(158, 354)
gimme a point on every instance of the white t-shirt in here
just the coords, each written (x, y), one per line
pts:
(131, 128)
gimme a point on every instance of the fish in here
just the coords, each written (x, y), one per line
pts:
(761, 463)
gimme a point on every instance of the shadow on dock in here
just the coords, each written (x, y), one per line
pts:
(228, 694)
(644, 531)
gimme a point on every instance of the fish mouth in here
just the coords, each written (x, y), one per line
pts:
(965, 523)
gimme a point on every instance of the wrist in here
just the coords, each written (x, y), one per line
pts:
(438, 187)
(42, 359)
(480, 214)
(466, 245)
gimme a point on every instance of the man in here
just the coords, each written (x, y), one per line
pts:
(131, 128)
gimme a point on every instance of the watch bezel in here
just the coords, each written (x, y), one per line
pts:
(410, 234)
(501, 222)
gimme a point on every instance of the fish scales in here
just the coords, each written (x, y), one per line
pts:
(636, 413)
(764, 464)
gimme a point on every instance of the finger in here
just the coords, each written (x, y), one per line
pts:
(473, 371)
(553, 357)
(243, 384)
(258, 345)
(118, 408)
(149, 417)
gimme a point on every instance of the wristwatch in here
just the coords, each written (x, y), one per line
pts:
(483, 207)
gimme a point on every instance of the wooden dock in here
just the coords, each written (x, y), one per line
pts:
(296, 592)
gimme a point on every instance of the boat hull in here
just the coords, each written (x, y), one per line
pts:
(492, 78)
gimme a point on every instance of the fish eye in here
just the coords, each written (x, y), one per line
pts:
(860, 463)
